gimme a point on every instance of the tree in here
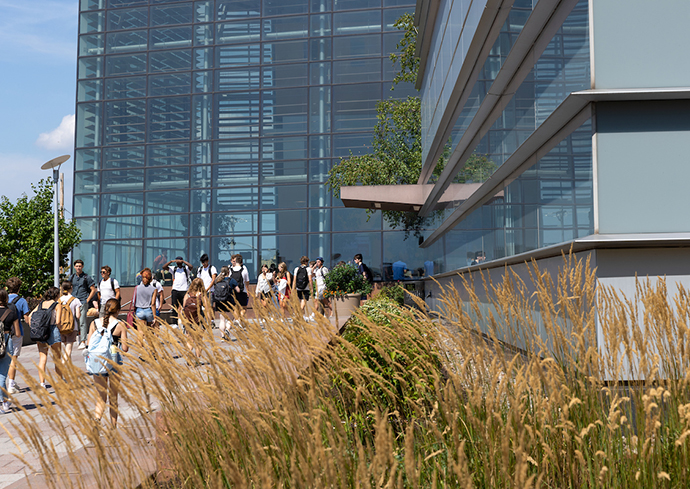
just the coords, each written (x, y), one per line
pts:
(26, 239)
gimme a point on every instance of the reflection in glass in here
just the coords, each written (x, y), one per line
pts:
(124, 257)
(167, 226)
(122, 227)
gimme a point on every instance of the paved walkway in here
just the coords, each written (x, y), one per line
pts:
(14, 473)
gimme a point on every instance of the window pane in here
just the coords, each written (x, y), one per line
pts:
(358, 144)
(128, 157)
(355, 106)
(131, 18)
(320, 220)
(168, 154)
(167, 226)
(127, 41)
(88, 124)
(125, 121)
(88, 227)
(130, 87)
(357, 70)
(364, 22)
(181, 13)
(203, 11)
(201, 120)
(203, 81)
(320, 110)
(172, 177)
(319, 196)
(346, 245)
(87, 159)
(283, 248)
(166, 249)
(169, 118)
(320, 49)
(200, 225)
(90, 22)
(88, 90)
(86, 182)
(237, 174)
(238, 32)
(203, 35)
(127, 64)
(320, 73)
(238, 114)
(224, 248)
(285, 52)
(167, 202)
(285, 7)
(202, 58)
(284, 111)
(172, 84)
(320, 246)
(285, 75)
(229, 56)
(119, 204)
(285, 28)
(90, 67)
(91, 44)
(124, 257)
(355, 220)
(357, 46)
(391, 16)
(125, 3)
(294, 148)
(122, 227)
(236, 198)
(233, 223)
(237, 9)
(321, 5)
(171, 37)
(284, 222)
(123, 180)
(320, 25)
(92, 4)
(171, 60)
(284, 196)
(284, 172)
(241, 79)
(85, 205)
(318, 170)
(355, 4)
(236, 151)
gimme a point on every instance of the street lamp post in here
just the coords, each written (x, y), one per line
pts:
(54, 165)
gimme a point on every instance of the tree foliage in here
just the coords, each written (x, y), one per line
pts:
(26, 239)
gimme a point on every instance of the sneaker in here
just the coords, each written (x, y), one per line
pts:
(12, 388)
(6, 407)
(81, 346)
(45, 385)
(174, 326)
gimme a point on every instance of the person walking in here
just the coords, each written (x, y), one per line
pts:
(108, 288)
(226, 289)
(301, 281)
(75, 306)
(84, 289)
(208, 274)
(364, 271)
(145, 302)
(241, 275)
(13, 285)
(108, 384)
(10, 322)
(48, 307)
(182, 277)
(320, 272)
(192, 306)
(283, 285)
(263, 285)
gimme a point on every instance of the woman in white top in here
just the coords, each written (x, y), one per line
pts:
(283, 287)
(263, 285)
(75, 306)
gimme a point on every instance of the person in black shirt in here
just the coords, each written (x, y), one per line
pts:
(10, 320)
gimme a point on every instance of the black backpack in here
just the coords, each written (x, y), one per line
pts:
(42, 323)
(237, 275)
(302, 278)
(222, 290)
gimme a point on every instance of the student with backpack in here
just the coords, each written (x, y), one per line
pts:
(13, 285)
(108, 288)
(363, 270)
(182, 277)
(192, 307)
(44, 320)
(107, 337)
(9, 328)
(224, 299)
(241, 275)
(69, 320)
(301, 281)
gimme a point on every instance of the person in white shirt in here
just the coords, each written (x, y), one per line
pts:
(320, 273)
(208, 274)
(241, 275)
(182, 277)
(301, 281)
(263, 285)
(108, 288)
(75, 306)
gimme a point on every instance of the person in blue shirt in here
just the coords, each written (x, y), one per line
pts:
(13, 284)
(399, 270)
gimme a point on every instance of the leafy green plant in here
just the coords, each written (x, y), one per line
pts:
(393, 292)
(343, 280)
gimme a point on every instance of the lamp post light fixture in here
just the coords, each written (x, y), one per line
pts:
(54, 165)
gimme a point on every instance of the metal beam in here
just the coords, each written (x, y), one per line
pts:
(401, 197)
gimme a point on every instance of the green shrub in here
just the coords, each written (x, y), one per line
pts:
(344, 279)
(393, 292)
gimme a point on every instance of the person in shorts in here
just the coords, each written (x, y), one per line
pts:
(10, 320)
(241, 275)
(146, 294)
(108, 288)
(320, 273)
(75, 306)
(301, 281)
(13, 285)
(50, 298)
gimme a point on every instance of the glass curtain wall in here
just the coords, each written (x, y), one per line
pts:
(210, 126)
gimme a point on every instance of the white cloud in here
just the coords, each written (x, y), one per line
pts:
(60, 138)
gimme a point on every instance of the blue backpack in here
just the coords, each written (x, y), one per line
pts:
(101, 351)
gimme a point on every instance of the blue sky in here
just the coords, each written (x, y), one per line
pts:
(38, 51)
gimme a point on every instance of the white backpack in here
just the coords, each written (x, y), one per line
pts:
(100, 351)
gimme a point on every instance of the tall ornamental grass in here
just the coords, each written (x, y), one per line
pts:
(404, 400)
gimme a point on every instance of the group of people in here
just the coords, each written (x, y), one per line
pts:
(59, 320)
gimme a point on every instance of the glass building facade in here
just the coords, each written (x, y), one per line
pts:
(210, 126)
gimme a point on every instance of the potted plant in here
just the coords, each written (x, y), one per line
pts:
(346, 286)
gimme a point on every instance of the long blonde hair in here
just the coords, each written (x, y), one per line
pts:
(196, 287)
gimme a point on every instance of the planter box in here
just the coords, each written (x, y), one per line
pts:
(346, 305)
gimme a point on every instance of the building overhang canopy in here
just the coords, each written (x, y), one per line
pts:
(402, 197)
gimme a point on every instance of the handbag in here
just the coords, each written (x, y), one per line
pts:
(4, 337)
(130, 314)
